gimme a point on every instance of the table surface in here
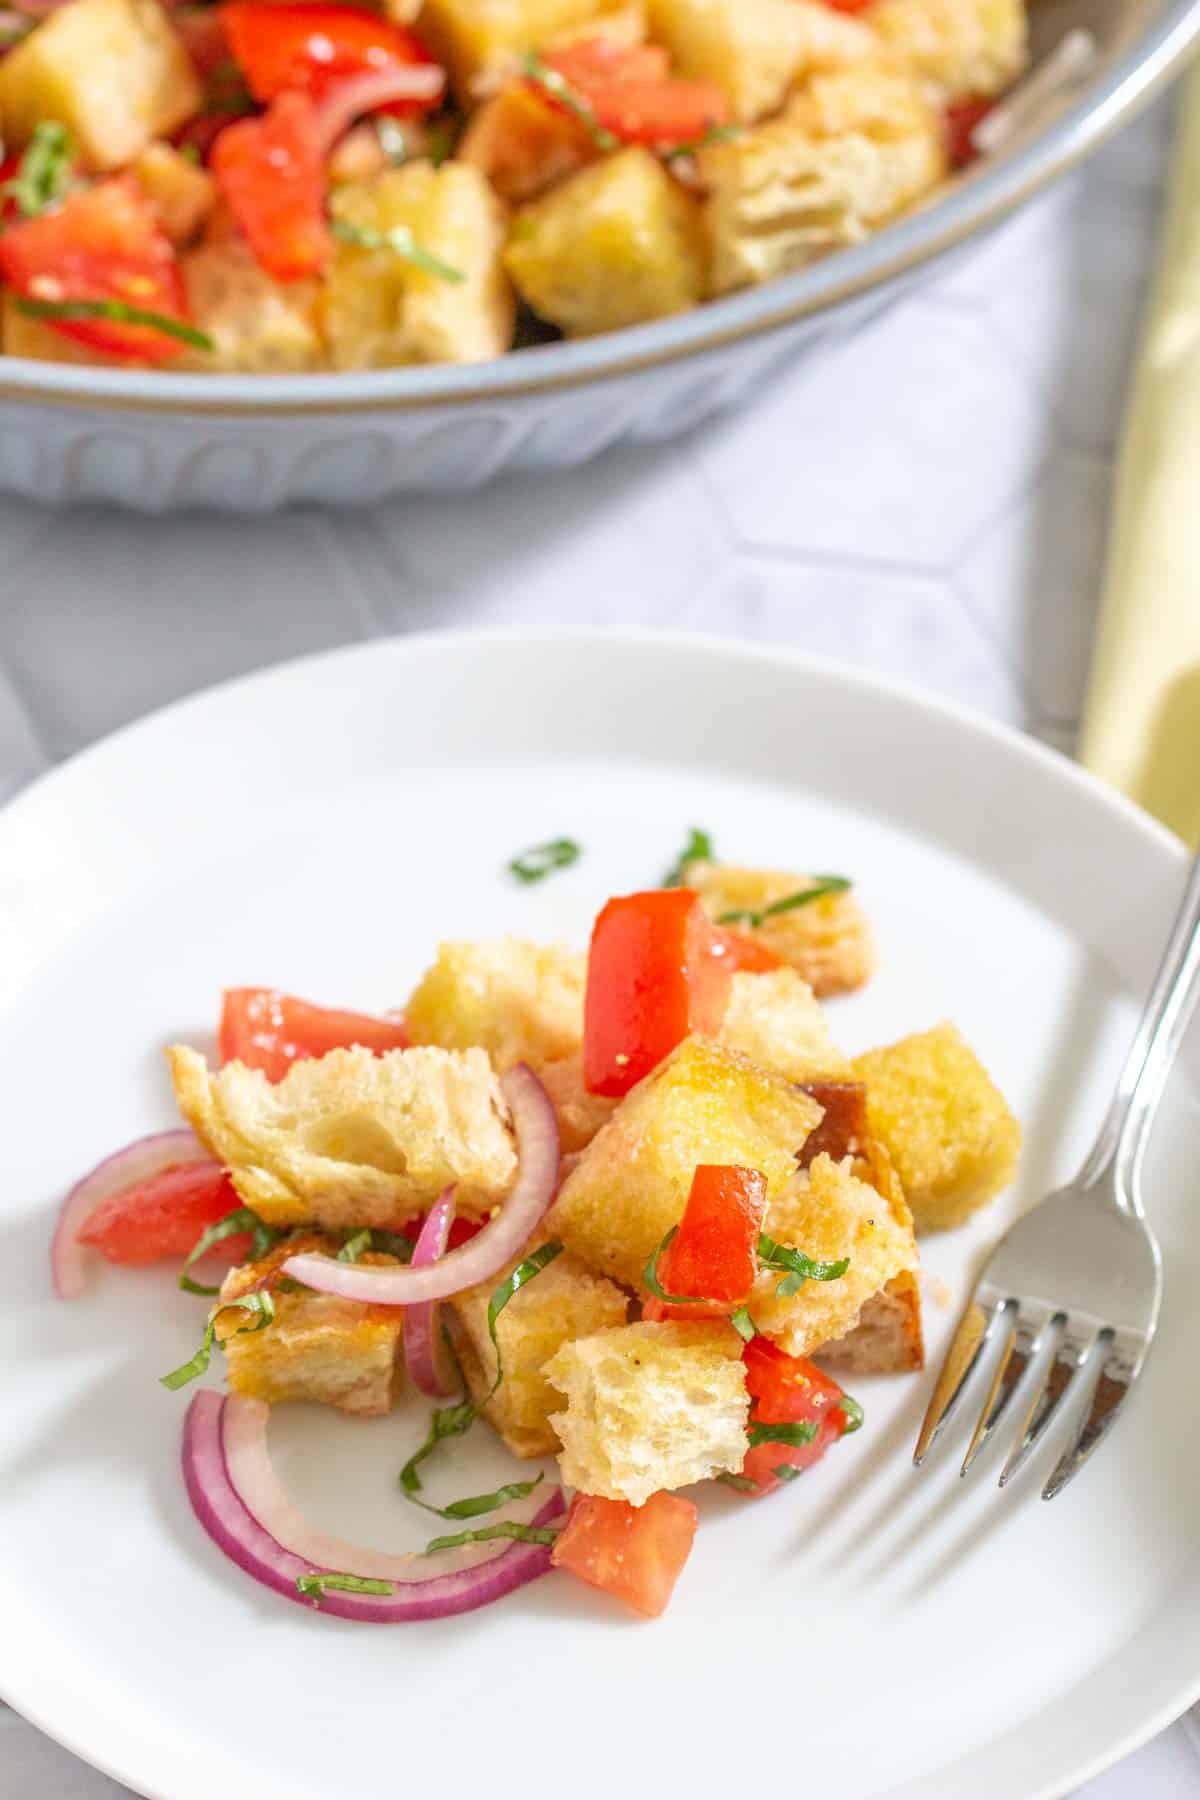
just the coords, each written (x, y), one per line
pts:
(929, 501)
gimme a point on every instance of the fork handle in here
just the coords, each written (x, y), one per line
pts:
(1118, 1151)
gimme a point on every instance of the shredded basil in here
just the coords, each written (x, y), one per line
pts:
(699, 848)
(541, 860)
(120, 313)
(354, 1247)
(560, 89)
(445, 1422)
(314, 1584)
(802, 1433)
(716, 134)
(393, 1243)
(786, 1471)
(261, 1308)
(743, 1324)
(477, 1504)
(739, 1482)
(853, 1412)
(232, 1225)
(401, 242)
(507, 1528)
(523, 1273)
(44, 172)
(822, 885)
(650, 1277)
(440, 140)
(797, 1267)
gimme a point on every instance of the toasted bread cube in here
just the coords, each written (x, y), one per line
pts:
(483, 41)
(957, 48)
(523, 144)
(851, 151)
(181, 192)
(703, 1104)
(943, 1121)
(619, 243)
(519, 1001)
(351, 1139)
(829, 1213)
(828, 942)
(580, 1113)
(755, 49)
(22, 335)
(888, 1339)
(341, 1353)
(380, 309)
(563, 1302)
(650, 1407)
(774, 1019)
(257, 325)
(114, 72)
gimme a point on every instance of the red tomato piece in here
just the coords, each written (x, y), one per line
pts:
(714, 1253)
(959, 120)
(102, 243)
(598, 62)
(652, 979)
(789, 1390)
(744, 955)
(634, 1552)
(631, 93)
(270, 1031)
(312, 48)
(461, 1232)
(165, 1215)
(271, 171)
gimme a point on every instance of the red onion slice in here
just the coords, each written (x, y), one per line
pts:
(253, 1479)
(247, 1543)
(374, 88)
(137, 1162)
(425, 1354)
(507, 1233)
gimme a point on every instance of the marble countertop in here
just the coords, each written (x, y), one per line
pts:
(928, 500)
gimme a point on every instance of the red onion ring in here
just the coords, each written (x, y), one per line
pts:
(122, 1170)
(374, 88)
(233, 1529)
(253, 1479)
(536, 1125)
(425, 1355)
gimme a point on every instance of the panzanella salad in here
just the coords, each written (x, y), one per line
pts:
(632, 1209)
(265, 186)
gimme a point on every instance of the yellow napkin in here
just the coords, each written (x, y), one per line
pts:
(1141, 727)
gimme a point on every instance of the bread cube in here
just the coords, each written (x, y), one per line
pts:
(756, 49)
(524, 145)
(829, 1213)
(22, 335)
(828, 942)
(703, 1104)
(519, 1001)
(482, 41)
(114, 72)
(380, 310)
(181, 192)
(851, 151)
(888, 1339)
(957, 48)
(563, 1302)
(650, 1407)
(257, 325)
(341, 1353)
(351, 1139)
(615, 245)
(580, 1113)
(774, 1019)
(944, 1123)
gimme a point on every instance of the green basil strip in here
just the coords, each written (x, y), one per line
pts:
(716, 134)
(523, 1273)
(786, 1471)
(354, 1247)
(541, 860)
(650, 1277)
(313, 1585)
(854, 1414)
(739, 1482)
(478, 1504)
(446, 1422)
(232, 1225)
(393, 1243)
(699, 848)
(803, 1433)
(401, 242)
(795, 1266)
(44, 172)
(743, 1324)
(822, 885)
(261, 1308)
(121, 313)
(507, 1528)
(561, 90)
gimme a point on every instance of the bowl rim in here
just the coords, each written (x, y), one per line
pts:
(973, 204)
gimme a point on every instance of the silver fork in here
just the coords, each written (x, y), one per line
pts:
(1083, 1272)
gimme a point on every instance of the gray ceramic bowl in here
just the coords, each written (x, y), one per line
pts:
(159, 441)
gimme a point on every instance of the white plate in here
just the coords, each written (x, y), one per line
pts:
(870, 1631)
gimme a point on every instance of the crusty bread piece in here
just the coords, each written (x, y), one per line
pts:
(650, 1407)
(755, 49)
(580, 1114)
(341, 1353)
(888, 1339)
(703, 1104)
(828, 943)
(830, 1213)
(774, 1019)
(957, 48)
(353, 1139)
(519, 1001)
(563, 1302)
(944, 1123)
(257, 325)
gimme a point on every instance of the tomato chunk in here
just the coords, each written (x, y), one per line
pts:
(165, 1215)
(634, 1552)
(102, 243)
(313, 48)
(652, 978)
(631, 93)
(271, 172)
(461, 1231)
(744, 955)
(714, 1254)
(790, 1390)
(959, 121)
(270, 1031)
